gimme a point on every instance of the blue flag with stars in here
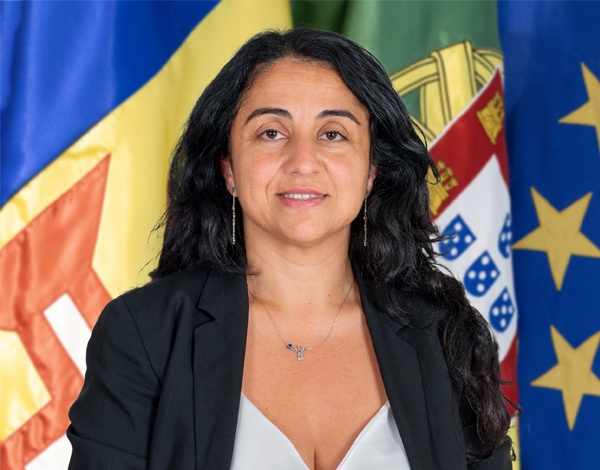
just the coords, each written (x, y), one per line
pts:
(552, 69)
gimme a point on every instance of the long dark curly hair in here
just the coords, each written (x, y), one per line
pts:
(399, 256)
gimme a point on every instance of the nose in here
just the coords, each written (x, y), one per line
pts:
(303, 156)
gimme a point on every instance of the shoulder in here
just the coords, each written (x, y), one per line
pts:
(177, 289)
(128, 357)
(423, 311)
(155, 316)
(161, 301)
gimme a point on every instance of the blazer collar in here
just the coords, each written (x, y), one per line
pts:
(414, 373)
(218, 362)
(400, 370)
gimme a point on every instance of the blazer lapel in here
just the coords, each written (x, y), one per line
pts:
(401, 374)
(218, 362)
(410, 360)
(418, 387)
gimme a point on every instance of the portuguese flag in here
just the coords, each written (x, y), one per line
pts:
(444, 59)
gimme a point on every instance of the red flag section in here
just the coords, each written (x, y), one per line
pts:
(467, 143)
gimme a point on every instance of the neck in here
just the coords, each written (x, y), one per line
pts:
(300, 282)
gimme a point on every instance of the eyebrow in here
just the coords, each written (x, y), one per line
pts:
(286, 114)
(338, 113)
(263, 111)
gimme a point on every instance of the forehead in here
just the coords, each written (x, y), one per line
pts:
(299, 80)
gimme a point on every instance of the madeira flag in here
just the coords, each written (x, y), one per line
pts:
(94, 95)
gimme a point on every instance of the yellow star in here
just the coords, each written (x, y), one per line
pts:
(559, 235)
(589, 113)
(573, 374)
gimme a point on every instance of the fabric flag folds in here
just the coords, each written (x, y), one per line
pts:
(552, 58)
(444, 59)
(94, 95)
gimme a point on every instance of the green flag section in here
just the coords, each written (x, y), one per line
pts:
(405, 33)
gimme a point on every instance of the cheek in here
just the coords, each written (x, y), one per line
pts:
(356, 172)
(254, 176)
(352, 184)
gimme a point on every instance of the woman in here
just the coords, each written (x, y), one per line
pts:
(296, 318)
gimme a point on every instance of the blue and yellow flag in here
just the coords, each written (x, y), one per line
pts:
(94, 95)
(552, 64)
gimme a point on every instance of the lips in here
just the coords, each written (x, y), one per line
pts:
(299, 197)
(302, 196)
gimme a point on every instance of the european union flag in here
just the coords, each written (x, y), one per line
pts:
(552, 67)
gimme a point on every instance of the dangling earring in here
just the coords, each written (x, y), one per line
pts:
(233, 216)
(365, 219)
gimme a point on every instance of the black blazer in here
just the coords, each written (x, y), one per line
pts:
(164, 378)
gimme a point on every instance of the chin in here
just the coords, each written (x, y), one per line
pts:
(314, 236)
(304, 239)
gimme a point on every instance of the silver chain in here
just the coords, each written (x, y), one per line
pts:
(299, 350)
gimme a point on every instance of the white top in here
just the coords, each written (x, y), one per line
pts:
(259, 444)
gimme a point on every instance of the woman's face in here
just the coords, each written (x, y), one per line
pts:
(300, 148)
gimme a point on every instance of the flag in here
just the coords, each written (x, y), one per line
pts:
(94, 95)
(445, 61)
(552, 59)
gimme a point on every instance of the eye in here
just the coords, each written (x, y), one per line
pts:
(272, 134)
(333, 136)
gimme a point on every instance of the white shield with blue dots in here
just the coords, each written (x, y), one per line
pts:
(477, 250)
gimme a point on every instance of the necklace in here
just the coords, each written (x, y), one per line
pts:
(299, 349)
